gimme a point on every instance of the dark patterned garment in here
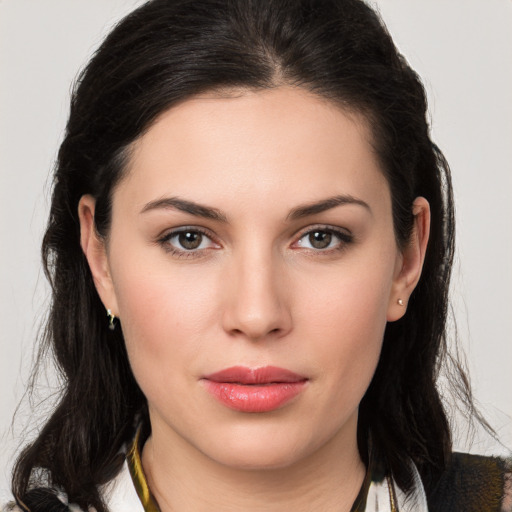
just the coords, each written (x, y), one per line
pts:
(473, 483)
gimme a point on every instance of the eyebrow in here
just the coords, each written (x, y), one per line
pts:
(183, 205)
(208, 212)
(325, 204)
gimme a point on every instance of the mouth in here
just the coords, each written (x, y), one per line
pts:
(254, 390)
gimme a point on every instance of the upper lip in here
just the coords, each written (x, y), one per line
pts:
(262, 375)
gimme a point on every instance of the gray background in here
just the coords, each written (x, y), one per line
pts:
(461, 48)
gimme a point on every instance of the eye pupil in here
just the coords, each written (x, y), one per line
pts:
(320, 239)
(190, 239)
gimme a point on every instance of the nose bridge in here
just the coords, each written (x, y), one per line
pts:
(257, 304)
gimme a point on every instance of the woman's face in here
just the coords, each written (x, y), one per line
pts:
(253, 231)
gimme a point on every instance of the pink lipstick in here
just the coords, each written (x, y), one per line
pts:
(254, 390)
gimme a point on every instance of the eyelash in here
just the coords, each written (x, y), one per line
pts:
(343, 237)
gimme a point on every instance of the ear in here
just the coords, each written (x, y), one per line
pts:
(95, 251)
(410, 261)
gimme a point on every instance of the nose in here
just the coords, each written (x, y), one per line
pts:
(257, 305)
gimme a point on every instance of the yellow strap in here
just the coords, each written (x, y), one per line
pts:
(139, 478)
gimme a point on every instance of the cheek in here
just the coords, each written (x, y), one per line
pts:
(164, 315)
(352, 298)
(346, 316)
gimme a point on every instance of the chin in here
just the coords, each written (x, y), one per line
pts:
(261, 450)
(259, 459)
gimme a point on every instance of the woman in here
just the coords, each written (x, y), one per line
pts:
(250, 245)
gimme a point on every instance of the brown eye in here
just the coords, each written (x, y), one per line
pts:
(326, 239)
(187, 241)
(320, 239)
(190, 239)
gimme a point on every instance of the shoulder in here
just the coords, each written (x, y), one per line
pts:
(473, 483)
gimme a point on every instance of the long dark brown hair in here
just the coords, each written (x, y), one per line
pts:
(163, 53)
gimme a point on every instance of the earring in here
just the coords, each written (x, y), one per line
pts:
(111, 318)
(400, 302)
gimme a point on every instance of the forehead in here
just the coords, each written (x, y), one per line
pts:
(254, 145)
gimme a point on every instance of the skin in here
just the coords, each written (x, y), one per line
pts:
(255, 293)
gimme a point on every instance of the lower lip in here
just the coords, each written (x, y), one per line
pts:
(254, 397)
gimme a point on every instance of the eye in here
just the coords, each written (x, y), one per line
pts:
(321, 239)
(187, 240)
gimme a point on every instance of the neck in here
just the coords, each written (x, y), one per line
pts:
(184, 479)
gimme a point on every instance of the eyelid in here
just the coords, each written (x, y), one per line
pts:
(323, 227)
(167, 233)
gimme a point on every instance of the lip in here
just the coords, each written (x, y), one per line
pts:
(254, 389)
